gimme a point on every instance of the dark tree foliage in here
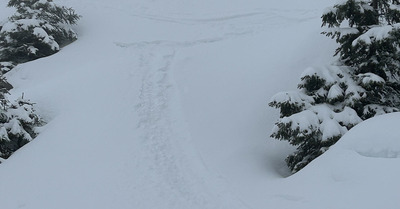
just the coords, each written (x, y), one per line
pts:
(38, 29)
(369, 36)
(364, 83)
(18, 121)
(318, 114)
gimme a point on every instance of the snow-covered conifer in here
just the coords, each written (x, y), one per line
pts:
(314, 117)
(38, 29)
(18, 121)
(364, 83)
(368, 32)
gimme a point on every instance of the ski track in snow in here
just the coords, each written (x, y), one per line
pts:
(164, 140)
(233, 23)
(228, 25)
(165, 137)
(155, 120)
(166, 143)
(166, 43)
(256, 16)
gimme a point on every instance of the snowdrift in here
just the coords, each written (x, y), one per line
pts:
(360, 170)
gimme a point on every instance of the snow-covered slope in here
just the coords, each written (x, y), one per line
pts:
(163, 104)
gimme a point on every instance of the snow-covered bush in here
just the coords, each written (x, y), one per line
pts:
(364, 83)
(38, 29)
(18, 121)
(314, 117)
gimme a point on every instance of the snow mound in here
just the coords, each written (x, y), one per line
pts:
(359, 171)
(378, 137)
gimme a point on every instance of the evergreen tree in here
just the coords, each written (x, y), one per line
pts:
(314, 117)
(18, 121)
(364, 83)
(368, 32)
(38, 29)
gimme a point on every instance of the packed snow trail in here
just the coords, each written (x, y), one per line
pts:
(165, 144)
(163, 104)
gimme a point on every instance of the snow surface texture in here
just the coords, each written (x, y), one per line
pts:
(383, 142)
(163, 104)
